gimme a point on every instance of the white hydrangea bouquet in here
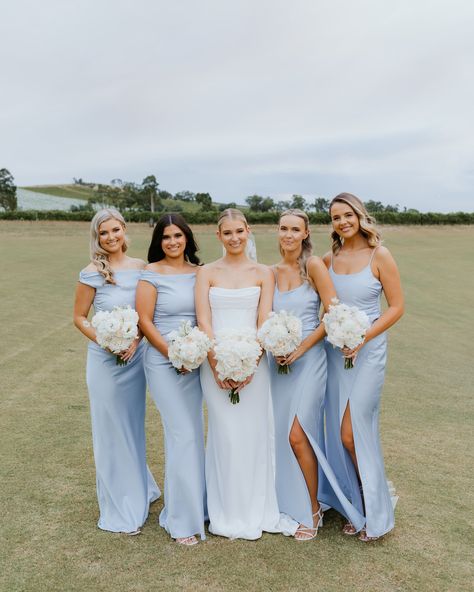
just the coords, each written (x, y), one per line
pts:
(280, 335)
(187, 347)
(237, 352)
(346, 326)
(116, 329)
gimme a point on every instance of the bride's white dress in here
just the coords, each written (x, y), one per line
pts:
(240, 479)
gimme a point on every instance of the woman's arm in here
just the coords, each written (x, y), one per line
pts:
(82, 305)
(145, 307)
(201, 294)
(390, 279)
(319, 273)
(267, 288)
(204, 318)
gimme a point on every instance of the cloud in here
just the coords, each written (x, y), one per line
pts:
(242, 97)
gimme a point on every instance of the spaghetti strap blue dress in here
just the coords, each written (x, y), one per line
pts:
(300, 394)
(360, 388)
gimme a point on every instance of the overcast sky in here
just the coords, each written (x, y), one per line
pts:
(273, 97)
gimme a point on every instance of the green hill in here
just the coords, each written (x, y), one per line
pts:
(85, 192)
(74, 191)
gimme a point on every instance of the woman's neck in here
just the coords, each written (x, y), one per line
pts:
(355, 243)
(235, 259)
(291, 258)
(175, 262)
(117, 260)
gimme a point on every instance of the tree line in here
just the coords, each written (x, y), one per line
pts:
(145, 201)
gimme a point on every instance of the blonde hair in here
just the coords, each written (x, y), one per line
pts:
(306, 245)
(233, 214)
(99, 256)
(366, 222)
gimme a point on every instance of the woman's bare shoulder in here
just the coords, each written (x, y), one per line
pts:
(327, 258)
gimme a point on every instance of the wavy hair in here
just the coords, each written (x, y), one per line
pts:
(99, 256)
(155, 250)
(306, 245)
(366, 222)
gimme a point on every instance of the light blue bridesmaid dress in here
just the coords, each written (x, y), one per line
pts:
(360, 388)
(301, 394)
(179, 401)
(125, 486)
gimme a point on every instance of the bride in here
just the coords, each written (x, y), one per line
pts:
(236, 292)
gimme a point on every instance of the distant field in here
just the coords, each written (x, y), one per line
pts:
(75, 191)
(49, 537)
(50, 197)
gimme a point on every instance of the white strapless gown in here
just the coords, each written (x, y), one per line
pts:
(240, 477)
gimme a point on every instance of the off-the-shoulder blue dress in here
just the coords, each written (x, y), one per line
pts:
(179, 401)
(125, 486)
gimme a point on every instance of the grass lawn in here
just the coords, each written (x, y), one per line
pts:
(49, 537)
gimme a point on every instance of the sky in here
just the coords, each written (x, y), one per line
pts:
(244, 97)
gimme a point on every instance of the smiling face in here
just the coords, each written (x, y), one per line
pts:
(173, 241)
(291, 232)
(344, 220)
(112, 236)
(233, 234)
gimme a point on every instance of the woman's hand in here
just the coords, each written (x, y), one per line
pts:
(281, 360)
(297, 353)
(240, 385)
(352, 353)
(222, 384)
(128, 354)
(290, 358)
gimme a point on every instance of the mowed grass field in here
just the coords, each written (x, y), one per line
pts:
(50, 541)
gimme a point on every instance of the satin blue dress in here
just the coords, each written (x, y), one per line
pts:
(178, 398)
(117, 395)
(360, 388)
(301, 394)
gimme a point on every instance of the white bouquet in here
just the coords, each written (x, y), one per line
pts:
(346, 326)
(116, 329)
(187, 347)
(280, 335)
(237, 352)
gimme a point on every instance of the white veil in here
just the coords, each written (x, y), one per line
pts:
(250, 248)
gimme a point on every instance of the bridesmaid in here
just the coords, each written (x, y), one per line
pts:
(165, 297)
(302, 281)
(125, 486)
(360, 269)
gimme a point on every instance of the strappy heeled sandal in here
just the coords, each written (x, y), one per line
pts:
(349, 529)
(307, 533)
(366, 539)
(189, 541)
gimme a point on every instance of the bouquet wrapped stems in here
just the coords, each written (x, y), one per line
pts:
(348, 363)
(234, 396)
(284, 368)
